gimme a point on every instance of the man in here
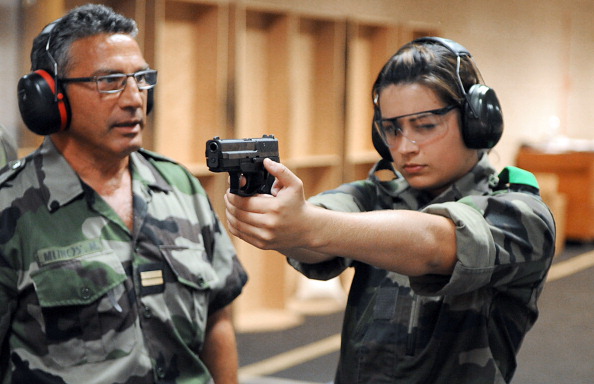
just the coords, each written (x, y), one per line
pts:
(113, 266)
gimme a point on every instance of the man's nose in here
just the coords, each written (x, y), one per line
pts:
(131, 95)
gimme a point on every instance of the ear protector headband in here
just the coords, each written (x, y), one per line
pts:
(482, 119)
(42, 101)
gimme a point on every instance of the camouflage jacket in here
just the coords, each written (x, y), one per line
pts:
(465, 328)
(8, 147)
(86, 300)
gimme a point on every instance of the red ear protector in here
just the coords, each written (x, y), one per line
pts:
(482, 119)
(44, 108)
(42, 101)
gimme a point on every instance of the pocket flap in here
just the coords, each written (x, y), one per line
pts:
(78, 281)
(190, 267)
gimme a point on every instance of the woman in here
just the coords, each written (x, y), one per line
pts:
(450, 258)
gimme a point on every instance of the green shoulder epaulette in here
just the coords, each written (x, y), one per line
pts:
(516, 178)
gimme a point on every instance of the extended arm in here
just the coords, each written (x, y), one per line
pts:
(408, 242)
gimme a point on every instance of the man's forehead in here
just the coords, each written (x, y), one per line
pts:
(111, 52)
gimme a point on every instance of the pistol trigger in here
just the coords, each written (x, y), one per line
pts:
(267, 184)
(235, 180)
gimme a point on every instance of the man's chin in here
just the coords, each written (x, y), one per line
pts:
(132, 148)
(132, 145)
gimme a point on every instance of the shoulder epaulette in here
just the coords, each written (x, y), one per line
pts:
(517, 178)
(11, 169)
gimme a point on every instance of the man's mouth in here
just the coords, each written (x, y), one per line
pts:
(129, 124)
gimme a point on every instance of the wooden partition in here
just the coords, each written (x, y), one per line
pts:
(191, 54)
(370, 45)
(289, 82)
(575, 175)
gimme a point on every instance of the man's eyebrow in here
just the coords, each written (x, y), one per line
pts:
(107, 71)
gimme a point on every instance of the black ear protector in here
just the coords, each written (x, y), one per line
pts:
(482, 119)
(42, 101)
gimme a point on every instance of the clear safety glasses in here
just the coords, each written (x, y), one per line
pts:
(418, 128)
(116, 82)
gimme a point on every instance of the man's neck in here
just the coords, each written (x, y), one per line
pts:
(114, 185)
(100, 169)
(109, 176)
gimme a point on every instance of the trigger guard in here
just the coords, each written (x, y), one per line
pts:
(250, 188)
(235, 181)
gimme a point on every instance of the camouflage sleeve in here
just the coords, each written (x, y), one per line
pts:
(223, 256)
(8, 147)
(8, 283)
(8, 279)
(231, 277)
(500, 239)
(337, 200)
(226, 263)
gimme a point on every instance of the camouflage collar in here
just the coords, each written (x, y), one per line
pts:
(62, 184)
(146, 173)
(480, 180)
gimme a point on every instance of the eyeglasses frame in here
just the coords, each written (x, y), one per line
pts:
(439, 112)
(97, 78)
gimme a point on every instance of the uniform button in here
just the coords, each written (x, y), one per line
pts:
(147, 313)
(15, 164)
(161, 372)
(85, 293)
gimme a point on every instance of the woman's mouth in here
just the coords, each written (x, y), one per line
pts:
(413, 168)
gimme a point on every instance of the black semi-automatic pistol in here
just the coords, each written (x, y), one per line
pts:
(243, 157)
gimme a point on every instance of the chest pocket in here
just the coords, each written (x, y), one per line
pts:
(83, 300)
(187, 294)
(189, 266)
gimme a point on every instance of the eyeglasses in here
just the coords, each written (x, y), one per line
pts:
(418, 128)
(116, 82)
